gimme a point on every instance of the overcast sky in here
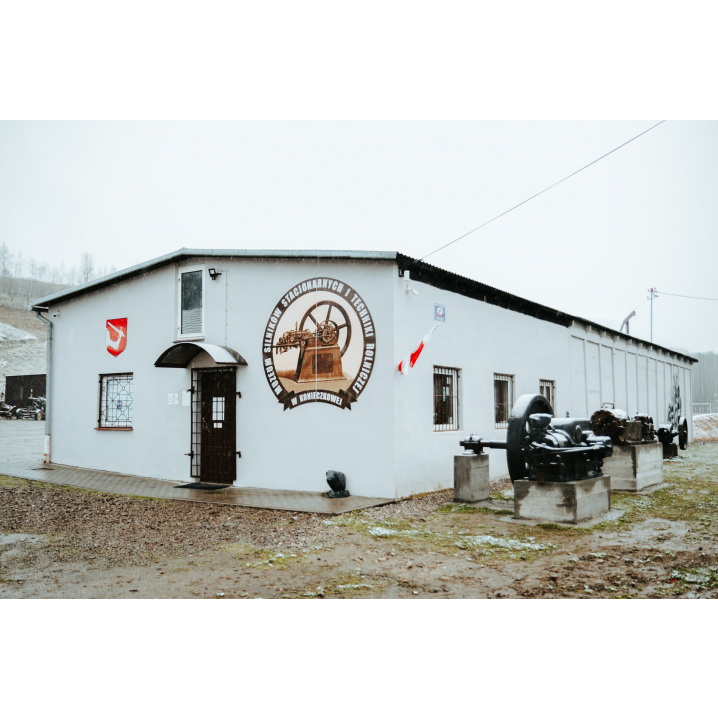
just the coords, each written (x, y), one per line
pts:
(644, 216)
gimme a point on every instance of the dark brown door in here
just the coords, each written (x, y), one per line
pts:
(214, 425)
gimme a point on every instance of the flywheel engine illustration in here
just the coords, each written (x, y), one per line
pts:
(319, 344)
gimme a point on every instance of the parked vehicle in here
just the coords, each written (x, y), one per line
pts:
(7, 411)
(35, 409)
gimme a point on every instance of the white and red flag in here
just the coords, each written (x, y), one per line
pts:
(411, 359)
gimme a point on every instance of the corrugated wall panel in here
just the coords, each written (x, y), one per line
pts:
(642, 377)
(619, 375)
(578, 378)
(607, 393)
(593, 377)
(631, 386)
(652, 388)
(660, 417)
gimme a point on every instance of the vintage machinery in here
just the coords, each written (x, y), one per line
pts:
(35, 409)
(666, 434)
(542, 447)
(7, 411)
(621, 428)
(640, 430)
(320, 353)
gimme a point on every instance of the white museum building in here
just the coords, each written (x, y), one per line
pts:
(268, 368)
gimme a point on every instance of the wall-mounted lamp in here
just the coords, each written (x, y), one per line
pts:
(409, 290)
(214, 273)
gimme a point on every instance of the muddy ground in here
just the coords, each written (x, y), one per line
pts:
(60, 542)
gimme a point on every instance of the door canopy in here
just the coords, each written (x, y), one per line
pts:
(178, 356)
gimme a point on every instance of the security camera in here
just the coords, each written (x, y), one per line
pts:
(409, 290)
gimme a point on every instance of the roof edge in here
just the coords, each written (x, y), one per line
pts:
(186, 253)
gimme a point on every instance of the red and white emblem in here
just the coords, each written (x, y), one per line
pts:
(116, 330)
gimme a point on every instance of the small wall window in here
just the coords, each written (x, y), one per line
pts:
(115, 401)
(503, 399)
(547, 387)
(191, 301)
(446, 399)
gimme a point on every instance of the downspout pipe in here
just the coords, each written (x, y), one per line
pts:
(48, 383)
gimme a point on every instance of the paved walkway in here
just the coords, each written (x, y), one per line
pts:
(21, 440)
(106, 481)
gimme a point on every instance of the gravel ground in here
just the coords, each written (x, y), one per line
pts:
(64, 542)
(21, 440)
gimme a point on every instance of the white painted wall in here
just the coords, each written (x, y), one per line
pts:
(479, 339)
(386, 444)
(280, 449)
(640, 376)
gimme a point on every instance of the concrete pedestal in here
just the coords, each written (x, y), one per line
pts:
(634, 467)
(471, 478)
(670, 451)
(562, 501)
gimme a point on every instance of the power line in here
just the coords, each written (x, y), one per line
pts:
(685, 296)
(542, 191)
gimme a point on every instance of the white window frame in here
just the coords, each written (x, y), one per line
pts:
(184, 270)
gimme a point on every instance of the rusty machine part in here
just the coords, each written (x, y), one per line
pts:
(648, 433)
(542, 447)
(610, 422)
(621, 428)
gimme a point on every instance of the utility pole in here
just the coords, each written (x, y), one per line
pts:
(653, 292)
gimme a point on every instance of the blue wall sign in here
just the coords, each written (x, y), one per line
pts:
(439, 313)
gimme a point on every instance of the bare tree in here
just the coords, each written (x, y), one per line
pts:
(5, 266)
(87, 267)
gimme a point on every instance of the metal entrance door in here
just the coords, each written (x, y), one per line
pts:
(214, 425)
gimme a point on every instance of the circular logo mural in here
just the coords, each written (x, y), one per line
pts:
(319, 345)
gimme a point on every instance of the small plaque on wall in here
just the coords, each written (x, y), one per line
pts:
(439, 313)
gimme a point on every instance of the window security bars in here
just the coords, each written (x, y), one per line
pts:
(218, 411)
(191, 309)
(115, 401)
(503, 399)
(446, 399)
(547, 388)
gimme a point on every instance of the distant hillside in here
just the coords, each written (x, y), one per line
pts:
(22, 344)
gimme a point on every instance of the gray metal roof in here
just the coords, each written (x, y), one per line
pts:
(421, 271)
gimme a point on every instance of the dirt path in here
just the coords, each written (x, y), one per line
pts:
(60, 542)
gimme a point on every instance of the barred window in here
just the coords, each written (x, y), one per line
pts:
(547, 387)
(446, 399)
(115, 401)
(503, 399)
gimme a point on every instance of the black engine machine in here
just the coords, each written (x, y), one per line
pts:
(640, 429)
(542, 447)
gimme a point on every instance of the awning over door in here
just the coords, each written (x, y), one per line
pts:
(178, 356)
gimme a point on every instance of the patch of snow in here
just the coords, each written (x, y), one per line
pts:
(12, 335)
(505, 544)
(705, 427)
(696, 575)
(20, 353)
(354, 585)
(380, 531)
